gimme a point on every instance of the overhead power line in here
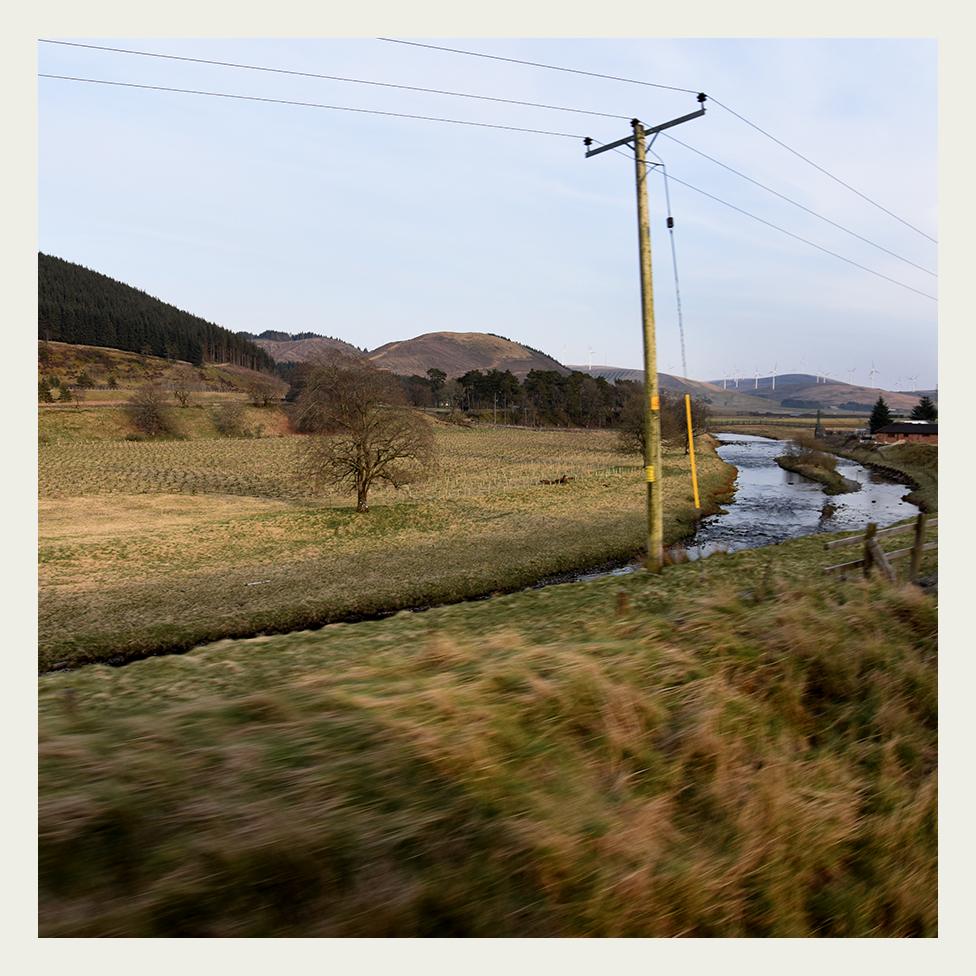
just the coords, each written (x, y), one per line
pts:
(650, 84)
(789, 233)
(479, 97)
(674, 263)
(536, 64)
(817, 166)
(334, 108)
(796, 203)
(324, 77)
(468, 122)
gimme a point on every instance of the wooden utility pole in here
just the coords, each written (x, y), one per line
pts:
(652, 398)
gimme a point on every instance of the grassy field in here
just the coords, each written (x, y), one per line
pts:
(738, 746)
(147, 547)
(736, 421)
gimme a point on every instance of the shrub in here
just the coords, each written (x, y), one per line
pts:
(228, 418)
(148, 413)
(85, 381)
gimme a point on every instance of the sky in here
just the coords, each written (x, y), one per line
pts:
(373, 228)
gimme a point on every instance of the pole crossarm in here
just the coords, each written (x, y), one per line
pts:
(611, 145)
(653, 130)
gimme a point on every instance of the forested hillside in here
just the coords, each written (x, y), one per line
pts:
(77, 305)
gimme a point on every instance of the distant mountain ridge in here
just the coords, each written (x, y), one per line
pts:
(302, 347)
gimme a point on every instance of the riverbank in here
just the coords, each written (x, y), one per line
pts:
(735, 747)
(916, 464)
(153, 548)
(815, 467)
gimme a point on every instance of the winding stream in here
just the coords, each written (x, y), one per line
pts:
(772, 505)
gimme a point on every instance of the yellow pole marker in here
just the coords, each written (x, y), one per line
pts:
(691, 450)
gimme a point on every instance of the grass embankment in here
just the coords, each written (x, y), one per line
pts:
(820, 467)
(84, 421)
(737, 747)
(916, 464)
(153, 547)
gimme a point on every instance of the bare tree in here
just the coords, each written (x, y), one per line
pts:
(181, 385)
(361, 431)
(674, 423)
(264, 390)
(148, 411)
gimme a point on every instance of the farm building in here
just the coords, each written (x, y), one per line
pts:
(907, 430)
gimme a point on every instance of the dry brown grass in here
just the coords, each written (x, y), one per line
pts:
(124, 576)
(556, 763)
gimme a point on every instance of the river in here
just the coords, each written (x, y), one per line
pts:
(772, 505)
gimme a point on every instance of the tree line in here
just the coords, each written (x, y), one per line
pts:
(80, 306)
(543, 398)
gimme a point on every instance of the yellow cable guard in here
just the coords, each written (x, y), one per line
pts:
(655, 402)
(649, 472)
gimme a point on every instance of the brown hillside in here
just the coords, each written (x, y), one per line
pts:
(833, 394)
(68, 362)
(302, 350)
(457, 352)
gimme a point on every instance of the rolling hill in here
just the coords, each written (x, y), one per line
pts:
(803, 390)
(304, 349)
(458, 352)
(112, 374)
(83, 307)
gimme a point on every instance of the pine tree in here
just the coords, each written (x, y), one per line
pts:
(925, 409)
(880, 416)
(44, 392)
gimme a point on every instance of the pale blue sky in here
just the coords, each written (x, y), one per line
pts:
(372, 229)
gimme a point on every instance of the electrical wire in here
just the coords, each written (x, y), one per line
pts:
(674, 263)
(487, 98)
(649, 84)
(482, 125)
(312, 74)
(826, 172)
(796, 203)
(804, 240)
(536, 64)
(783, 230)
(335, 108)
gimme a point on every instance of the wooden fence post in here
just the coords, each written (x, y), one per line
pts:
(868, 554)
(881, 560)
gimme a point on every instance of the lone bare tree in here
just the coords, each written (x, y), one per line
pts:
(181, 384)
(362, 433)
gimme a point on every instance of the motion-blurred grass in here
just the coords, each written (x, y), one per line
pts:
(736, 747)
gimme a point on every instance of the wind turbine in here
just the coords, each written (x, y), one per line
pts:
(913, 379)
(872, 372)
(757, 378)
(774, 377)
(851, 373)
